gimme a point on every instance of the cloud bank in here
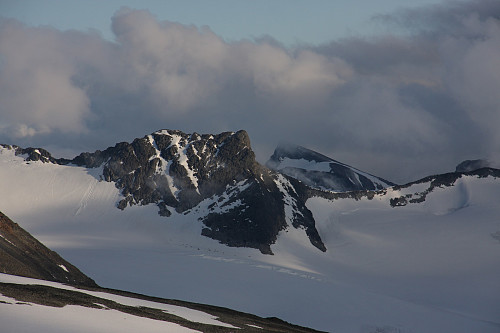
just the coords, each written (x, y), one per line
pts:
(400, 106)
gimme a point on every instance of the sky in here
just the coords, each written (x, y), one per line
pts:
(288, 21)
(400, 89)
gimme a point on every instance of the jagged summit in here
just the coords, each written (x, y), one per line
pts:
(172, 168)
(322, 172)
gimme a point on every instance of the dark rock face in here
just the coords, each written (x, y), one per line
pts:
(442, 180)
(321, 172)
(178, 171)
(21, 254)
(255, 216)
(171, 168)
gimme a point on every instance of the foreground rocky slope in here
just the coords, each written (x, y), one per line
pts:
(26, 266)
(119, 311)
(22, 254)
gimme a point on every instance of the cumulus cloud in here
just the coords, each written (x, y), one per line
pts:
(399, 105)
(36, 87)
(177, 66)
(183, 67)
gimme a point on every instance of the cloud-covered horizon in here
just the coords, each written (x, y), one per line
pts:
(400, 106)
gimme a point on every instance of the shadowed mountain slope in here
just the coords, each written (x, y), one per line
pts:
(22, 254)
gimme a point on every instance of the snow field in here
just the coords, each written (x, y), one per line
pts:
(428, 267)
(71, 318)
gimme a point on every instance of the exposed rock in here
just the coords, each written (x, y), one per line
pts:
(442, 180)
(35, 154)
(321, 172)
(435, 181)
(21, 254)
(56, 297)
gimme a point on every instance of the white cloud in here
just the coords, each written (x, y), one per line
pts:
(182, 67)
(36, 86)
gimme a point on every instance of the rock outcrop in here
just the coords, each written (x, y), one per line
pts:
(21, 254)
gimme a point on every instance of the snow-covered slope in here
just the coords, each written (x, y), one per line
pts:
(322, 172)
(30, 305)
(429, 265)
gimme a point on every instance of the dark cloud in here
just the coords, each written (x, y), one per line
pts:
(399, 106)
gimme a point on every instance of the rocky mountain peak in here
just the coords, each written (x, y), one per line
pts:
(238, 200)
(321, 172)
(174, 169)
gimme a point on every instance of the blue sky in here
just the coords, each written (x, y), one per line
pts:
(288, 21)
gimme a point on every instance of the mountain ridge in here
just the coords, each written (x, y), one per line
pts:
(179, 171)
(322, 172)
(242, 203)
(434, 181)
